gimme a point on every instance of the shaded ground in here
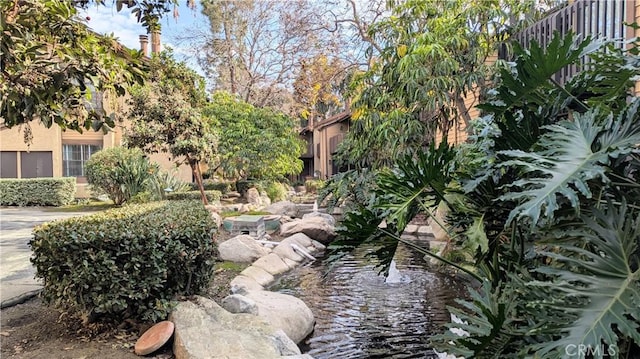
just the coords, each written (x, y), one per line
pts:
(32, 330)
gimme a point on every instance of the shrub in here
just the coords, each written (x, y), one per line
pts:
(37, 191)
(276, 191)
(120, 173)
(128, 262)
(212, 196)
(164, 180)
(213, 185)
(313, 186)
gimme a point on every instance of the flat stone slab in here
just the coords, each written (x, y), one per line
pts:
(260, 275)
(154, 338)
(411, 229)
(425, 231)
(272, 263)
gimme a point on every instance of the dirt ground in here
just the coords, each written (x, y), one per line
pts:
(34, 331)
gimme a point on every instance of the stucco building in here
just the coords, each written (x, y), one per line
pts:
(57, 153)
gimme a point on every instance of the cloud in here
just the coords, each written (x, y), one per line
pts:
(123, 24)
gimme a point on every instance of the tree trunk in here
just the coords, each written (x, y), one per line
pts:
(195, 169)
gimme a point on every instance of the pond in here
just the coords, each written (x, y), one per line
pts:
(359, 314)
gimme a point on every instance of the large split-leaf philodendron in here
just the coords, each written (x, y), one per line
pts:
(544, 200)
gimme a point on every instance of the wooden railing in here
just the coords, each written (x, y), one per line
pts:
(596, 18)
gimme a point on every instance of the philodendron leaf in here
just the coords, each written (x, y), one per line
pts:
(599, 276)
(476, 236)
(570, 155)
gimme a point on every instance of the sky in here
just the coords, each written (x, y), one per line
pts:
(125, 27)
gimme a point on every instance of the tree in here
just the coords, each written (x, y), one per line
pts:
(52, 64)
(167, 115)
(257, 143)
(427, 55)
(318, 86)
(254, 47)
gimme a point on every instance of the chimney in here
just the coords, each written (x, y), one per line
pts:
(144, 42)
(155, 41)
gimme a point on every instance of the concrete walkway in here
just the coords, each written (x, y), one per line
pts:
(16, 224)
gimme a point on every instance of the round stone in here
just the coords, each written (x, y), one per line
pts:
(154, 338)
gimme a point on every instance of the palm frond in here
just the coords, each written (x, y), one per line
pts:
(600, 277)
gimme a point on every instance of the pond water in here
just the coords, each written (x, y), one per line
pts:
(359, 314)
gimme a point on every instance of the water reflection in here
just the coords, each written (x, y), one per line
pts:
(358, 315)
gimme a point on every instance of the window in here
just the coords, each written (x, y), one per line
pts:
(74, 158)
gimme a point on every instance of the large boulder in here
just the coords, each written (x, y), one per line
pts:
(283, 208)
(315, 227)
(236, 303)
(253, 197)
(284, 312)
(241, 249)
(326, 216)
(203, 329)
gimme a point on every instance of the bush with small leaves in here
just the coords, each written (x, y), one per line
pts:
(129, 262)
(37, 191)
(120, 173)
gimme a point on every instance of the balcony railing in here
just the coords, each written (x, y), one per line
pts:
(595, 18)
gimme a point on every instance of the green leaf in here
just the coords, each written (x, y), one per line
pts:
(570, 155)
(599, 265)
(476, 236)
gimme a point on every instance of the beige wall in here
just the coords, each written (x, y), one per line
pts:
(44, 139)
(321, 136)
(51, 140)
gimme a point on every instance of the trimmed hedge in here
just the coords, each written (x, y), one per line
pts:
(129, 262)
(212, 196)
(209, 184)
(58, 191)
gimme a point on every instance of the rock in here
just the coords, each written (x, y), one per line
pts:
(264, 200)
(241, 249)
(272, 263)
(286, 252)
(242, 283)
(440, 216)
(261, 276)
(284, 312)
(300, 238)
(425, 231)
(214, 207)
(315, 227)
(327, 217)
(283, 208)
(237, 303)
(232, 195)
(253, 197)
(318, 246)
(154, 338)
(411, 229)
(203, 329)
(217, 218)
